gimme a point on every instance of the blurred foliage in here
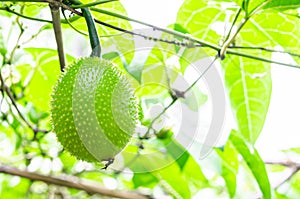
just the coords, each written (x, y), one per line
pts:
(160, 166)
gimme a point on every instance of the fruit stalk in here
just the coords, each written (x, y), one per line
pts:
(93, 34)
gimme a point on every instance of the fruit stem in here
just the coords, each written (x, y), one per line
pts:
(93, 34)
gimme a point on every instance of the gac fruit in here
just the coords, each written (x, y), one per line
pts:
(94, 110)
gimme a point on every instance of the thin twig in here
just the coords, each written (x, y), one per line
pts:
(233, 23)
(146, 136)
(208, 67)
(33, 36)
(24, 16)
(284, 163)
(261, 59)
(12, 54)
(287, 178)
(198, 42)
(259, 8)
(129, 163)
(264, 49)
(142, 35)
(231, 38)
(113, 27)
(7, 90)
(294, 166)
(168, 80)
(89, 187)
(171, 32)
(70, 24)
(7, 9)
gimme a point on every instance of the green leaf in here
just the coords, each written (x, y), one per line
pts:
(293, 149)
(230, 166)
(166, 162)
(34, 115)
(115, 7)
(177, 151)
(161, 167)
(276, 168)
(190, 56)
(283, 4)
(67, 160)
(167, 62)
(33, 9)
(144, 179)
(184, 159)
(176, 186)
(194, 175)
(281, 31)
(281, 196)
(198, 17)
(111, 38)
(254, 162)
(249, 5)
(135, 66)
(41, 77)
(293, 186)
(249, 87)
(3, 49)
(122, 45)
(250, 84)
(110, 55)
(14, 187)
(179, 28)
(156, 69)
(251, 79)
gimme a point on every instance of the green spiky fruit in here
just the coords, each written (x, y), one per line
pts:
(93, 110)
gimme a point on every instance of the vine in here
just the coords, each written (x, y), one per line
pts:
(200, 43)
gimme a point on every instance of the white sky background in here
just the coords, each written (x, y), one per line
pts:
(282, 124)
